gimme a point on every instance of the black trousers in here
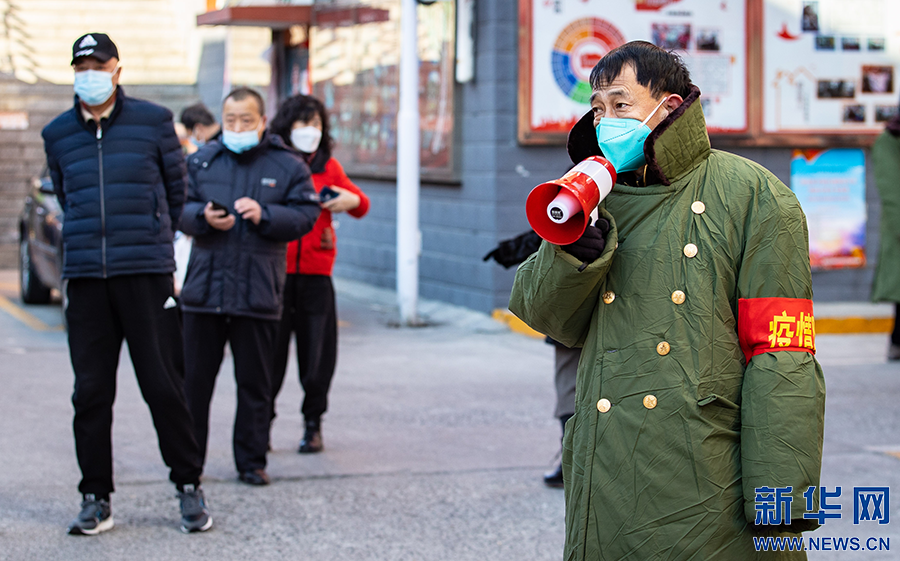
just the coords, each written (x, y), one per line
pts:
(252, 344)
(309, 311)
(895, 333)
(141, 310)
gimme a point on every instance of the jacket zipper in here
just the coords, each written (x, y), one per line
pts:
(102, 199)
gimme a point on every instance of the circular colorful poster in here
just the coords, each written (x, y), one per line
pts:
(577, 49)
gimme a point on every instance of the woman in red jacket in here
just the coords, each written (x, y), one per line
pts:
(309, 309)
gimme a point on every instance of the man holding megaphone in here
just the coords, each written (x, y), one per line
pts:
(698, 397)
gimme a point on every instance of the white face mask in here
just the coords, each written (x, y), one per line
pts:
(306, 139)
(94, 87)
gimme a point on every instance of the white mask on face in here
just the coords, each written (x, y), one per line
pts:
(306, 139)
(94, 87)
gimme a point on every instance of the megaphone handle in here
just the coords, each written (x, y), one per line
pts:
(595, 214)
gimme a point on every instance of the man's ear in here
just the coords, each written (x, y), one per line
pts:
(673, 102)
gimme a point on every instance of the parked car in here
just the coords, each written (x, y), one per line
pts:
(40, 243)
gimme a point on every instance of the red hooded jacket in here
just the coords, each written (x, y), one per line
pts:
(314, 253)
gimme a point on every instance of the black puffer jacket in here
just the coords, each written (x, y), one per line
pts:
(242, 271)
(122, 188)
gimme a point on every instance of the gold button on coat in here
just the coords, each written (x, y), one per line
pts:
(678, 297)
(649, 401)
(603, 405)
(690, 250)
(608, 297)
(698, 207)
(663, 348)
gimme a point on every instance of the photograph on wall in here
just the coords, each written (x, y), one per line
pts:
(836, 88)
(831, 188)
(563, 40)
(884, 113)
(826, 66)
(810, 19)
(671, 37)
(877, 79)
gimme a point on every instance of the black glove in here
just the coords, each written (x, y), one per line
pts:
(514, 251)
(590, 245)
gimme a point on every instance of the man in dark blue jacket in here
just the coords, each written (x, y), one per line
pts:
(119, 175)
(248, 196)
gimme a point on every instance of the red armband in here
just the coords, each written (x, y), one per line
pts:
(775, 324)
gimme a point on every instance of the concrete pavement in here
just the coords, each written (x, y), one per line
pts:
(436, 440)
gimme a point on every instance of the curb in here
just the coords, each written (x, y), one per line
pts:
(515, 324)
(825, 325)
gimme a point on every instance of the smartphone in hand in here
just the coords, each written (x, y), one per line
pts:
(326, 194)
(216, 205)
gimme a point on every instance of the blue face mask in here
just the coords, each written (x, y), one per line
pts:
(239, 142)
(94, 87)
(622, 140)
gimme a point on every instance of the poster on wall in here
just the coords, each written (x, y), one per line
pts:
(562, 40)
(830, 66)
(831, 188)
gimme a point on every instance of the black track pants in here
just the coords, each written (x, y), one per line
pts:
(141, 310)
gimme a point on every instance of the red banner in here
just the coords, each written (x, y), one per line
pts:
(654, 5)
(776, 324)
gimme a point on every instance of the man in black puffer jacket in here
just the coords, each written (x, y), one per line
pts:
(118, 172)
(235, 278)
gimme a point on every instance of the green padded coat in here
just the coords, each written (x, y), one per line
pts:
(886, 161)
(674, 429)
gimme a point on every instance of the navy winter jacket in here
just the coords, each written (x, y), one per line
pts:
(241, 271)
(122, 188)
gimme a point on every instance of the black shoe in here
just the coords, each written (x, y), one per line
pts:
(893, 352)
(312, 438)
(257, 477)
(554, 478)
(195, 515)
(95, 517)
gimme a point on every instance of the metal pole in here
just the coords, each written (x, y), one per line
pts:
(408, 235)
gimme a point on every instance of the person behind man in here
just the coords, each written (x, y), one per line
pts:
(118, 172)
(201, 125)
(886, 284)
(565, 360)
(248, 196)
(698, 397)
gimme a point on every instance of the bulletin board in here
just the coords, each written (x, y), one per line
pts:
(793, 73)
(830, 66)
(561, 40)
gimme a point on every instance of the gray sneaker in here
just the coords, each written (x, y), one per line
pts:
(195, 515)
(95, 517)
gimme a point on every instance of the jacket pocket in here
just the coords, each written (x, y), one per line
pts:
(720, 411)
(264, 286)
(195, 291)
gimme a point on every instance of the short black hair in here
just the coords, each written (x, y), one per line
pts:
(242, 93)
(302, 108)
(655, 68)
(196, 114)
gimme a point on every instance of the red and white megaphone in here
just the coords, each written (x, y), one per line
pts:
(560, 210)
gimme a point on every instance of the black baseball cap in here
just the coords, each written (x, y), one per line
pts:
(97, 45)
